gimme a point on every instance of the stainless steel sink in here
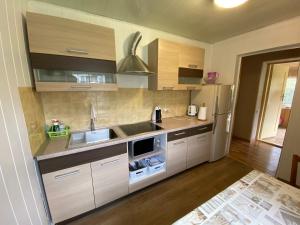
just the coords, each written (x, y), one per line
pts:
(90, 137)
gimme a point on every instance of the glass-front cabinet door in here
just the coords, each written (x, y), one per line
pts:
(63, 80)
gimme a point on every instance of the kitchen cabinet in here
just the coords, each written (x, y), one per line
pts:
(68, 55)
(191, 57)
(199, 147)
(69, 192)
(110, 179)
(163, 60)
(176, 156)
(60, 36)
(176, 66)
(188, 148)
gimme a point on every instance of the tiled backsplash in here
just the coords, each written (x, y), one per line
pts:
(34, 117)
(119, 107)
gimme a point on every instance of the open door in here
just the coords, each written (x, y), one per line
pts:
(274, 96)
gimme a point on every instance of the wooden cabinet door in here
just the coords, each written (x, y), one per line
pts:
(163, 59)
(198, 150)
(110, 179)
(168, 61)
(59, 36)
(191, 57)
(176, 156)
(69, 192)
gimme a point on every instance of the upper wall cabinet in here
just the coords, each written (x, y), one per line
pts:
(191, 57)
(68, 55)
(59, 36)
(163, 59)
(177, 66)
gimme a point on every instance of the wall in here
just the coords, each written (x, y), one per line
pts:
(291, 142)
(120, 107)
(20, 194)
(226, 60)
(279, 35)
(245, 122)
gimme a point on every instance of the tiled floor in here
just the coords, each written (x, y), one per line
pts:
(278, 139)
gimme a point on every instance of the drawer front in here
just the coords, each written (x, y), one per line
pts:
(176, 156)
(110, 179)
(178, 134)
(63, 162)
(69, 192)
(201, 129)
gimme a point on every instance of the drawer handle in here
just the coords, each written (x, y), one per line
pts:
(204, 128)
(168, 88)
(61, 176)
(193, 66)
(181, 133)
(77, 51)
(110, 162)
(81, 86)
(178, 143)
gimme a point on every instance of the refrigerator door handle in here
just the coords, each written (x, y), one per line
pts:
(215, 124)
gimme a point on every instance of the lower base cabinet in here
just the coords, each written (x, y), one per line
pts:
(110, 179)
(69, 192)
(199, 147)
(176, 156)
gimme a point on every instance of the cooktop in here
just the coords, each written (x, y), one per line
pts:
(138, 128)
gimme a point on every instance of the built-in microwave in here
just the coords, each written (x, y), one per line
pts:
(142, 146)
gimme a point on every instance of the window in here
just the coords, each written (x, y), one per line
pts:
(289, 91)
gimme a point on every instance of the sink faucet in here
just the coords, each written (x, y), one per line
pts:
(93, 117)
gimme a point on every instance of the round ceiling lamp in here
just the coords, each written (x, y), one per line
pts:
(229, 3)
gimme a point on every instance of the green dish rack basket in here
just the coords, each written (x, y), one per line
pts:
(56, 134)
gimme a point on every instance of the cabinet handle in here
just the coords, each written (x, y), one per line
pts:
(110, 162)
(193, 66)
(203, 128)
(180, 142)
(168, 88)
(181, 133)
(61, 176)
(77, 51)
(81, 86)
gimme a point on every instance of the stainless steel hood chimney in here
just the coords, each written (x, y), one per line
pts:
(132, 64)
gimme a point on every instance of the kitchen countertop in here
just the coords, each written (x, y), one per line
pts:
(58, 147)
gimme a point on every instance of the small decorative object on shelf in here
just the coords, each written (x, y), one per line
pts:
(58, 129)
(211, 77)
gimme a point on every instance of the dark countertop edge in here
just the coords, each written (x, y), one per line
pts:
(108, 143)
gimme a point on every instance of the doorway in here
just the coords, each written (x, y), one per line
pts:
(281, 79)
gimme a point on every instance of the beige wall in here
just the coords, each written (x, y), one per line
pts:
(291, 142)
(21, 199)
(225, 60)
(128, 105)
(225, 53)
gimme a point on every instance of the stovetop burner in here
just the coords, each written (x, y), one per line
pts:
(138, 128)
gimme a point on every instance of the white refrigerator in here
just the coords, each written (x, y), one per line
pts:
(218, 99)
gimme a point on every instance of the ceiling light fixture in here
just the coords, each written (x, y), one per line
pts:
(229, 3)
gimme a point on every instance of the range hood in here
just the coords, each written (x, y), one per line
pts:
(133, 64)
